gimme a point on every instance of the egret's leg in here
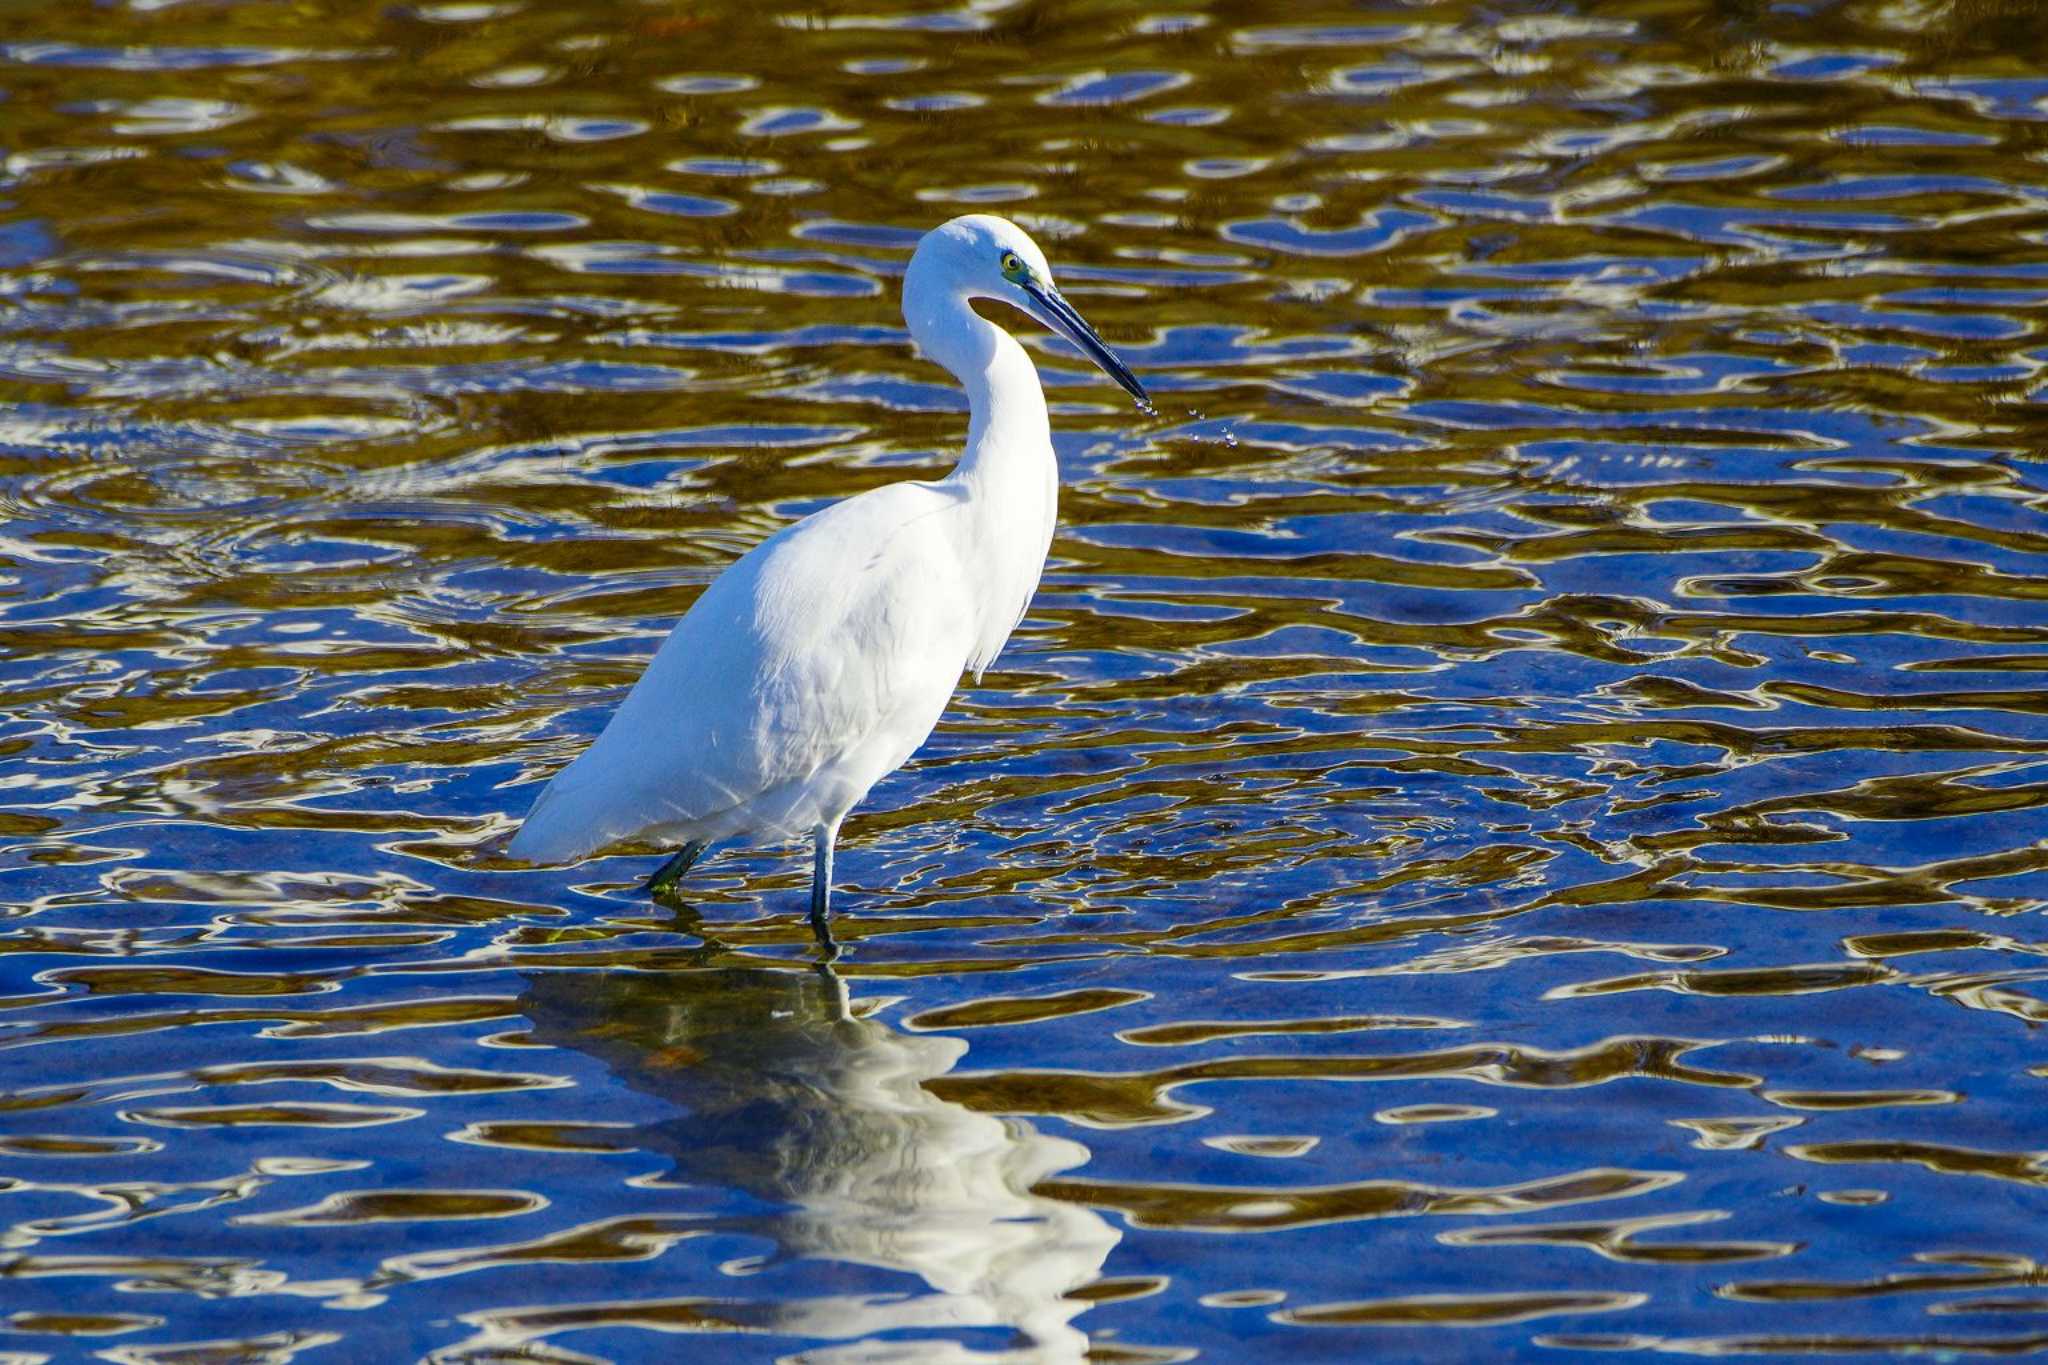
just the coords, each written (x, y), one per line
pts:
(821, 886)
(664, 881)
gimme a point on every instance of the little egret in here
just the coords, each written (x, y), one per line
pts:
(821, 659)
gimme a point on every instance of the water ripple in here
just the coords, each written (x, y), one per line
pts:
(1518, 806)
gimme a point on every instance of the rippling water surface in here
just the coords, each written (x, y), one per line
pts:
(1516, 826)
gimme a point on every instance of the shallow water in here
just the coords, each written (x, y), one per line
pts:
(1516, 827)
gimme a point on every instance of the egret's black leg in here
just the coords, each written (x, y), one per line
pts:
(664, 881)
(821, 888)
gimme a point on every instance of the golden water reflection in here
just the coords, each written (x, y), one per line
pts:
(784, 1092)
(1515, 825)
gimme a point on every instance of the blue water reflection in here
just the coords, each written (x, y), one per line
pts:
(1511, 828)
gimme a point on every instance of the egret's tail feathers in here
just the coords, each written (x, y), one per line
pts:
(541, 840)
(592, 805)
(563, 825)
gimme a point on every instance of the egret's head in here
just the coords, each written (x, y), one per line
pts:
(987, 257)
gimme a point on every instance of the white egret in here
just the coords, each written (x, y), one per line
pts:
(821, 659)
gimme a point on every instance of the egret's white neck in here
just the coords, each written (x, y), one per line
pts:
(1007, 474)
(1008, 421)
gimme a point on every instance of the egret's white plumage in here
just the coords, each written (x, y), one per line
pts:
(822, 658)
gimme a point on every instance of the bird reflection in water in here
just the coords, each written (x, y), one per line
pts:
(784, 1094)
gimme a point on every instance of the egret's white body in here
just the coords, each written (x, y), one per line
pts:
(820, 660)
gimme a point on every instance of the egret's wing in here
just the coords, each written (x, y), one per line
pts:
(844, 631)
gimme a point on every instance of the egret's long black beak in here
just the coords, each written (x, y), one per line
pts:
(1050, 307)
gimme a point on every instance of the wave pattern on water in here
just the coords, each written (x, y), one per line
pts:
(1519, 807)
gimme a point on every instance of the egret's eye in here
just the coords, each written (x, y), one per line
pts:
(1013, 268)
